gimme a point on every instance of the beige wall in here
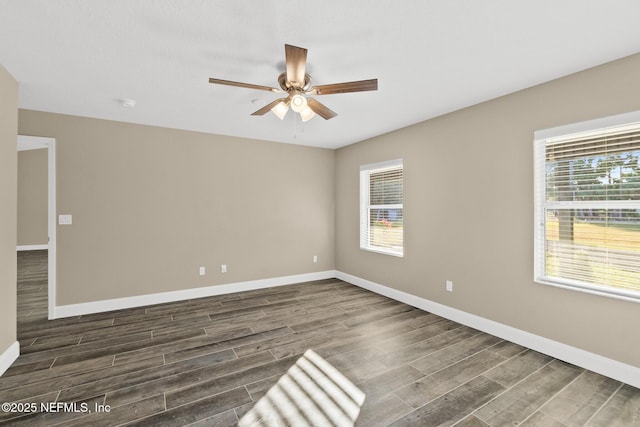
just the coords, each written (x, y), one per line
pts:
(8, 196)
(32, 197)
(469, 211)
(151, 205)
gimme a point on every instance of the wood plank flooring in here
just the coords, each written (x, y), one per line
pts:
(206, 362)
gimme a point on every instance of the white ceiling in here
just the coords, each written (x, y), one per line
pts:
(430, 57)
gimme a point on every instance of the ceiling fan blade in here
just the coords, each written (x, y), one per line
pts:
(359, 86)
(296, 58)
(239, 84)
(264, 110)
(320, 109)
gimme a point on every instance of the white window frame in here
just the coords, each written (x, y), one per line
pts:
(365, 207)
(540, 203)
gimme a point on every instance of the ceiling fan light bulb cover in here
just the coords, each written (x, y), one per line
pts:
(298, 103)
(307, 114)
(280, 110)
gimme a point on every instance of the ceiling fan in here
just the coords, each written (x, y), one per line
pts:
(296, 83)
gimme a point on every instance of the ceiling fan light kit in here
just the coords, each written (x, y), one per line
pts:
(307, 114)
(280, 109)
(298, 102)
(296, 83)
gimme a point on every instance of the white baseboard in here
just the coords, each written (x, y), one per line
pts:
(32, 247)
(9, 356)
(611, 368)
(163, 297)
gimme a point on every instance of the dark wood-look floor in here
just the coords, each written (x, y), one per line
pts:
(207, 361)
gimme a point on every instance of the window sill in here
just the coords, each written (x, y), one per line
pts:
(383, 251)
(626, 295)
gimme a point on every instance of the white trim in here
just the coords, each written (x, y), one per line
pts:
(365, 207)
(539, 221)
(164, 297)
(620, 122)
(52, 209)
(602, 291)
(378, 166)
(594, 362)
(9, 356)
(26, 143)
(384, 251)
(31, 247)
(589, 125)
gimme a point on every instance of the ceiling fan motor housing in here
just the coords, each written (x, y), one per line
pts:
(287, 86)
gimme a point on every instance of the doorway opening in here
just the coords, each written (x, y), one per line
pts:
(25, 143)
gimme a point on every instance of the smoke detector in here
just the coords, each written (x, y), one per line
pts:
(128, 103)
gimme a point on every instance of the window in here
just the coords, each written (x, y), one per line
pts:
(381, 218)
(588, 209)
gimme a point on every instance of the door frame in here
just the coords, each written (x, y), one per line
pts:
(35, 142)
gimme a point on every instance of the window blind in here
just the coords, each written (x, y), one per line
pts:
(381, 207)
(588, 210)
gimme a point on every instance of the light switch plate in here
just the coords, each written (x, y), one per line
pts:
(65, 219)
